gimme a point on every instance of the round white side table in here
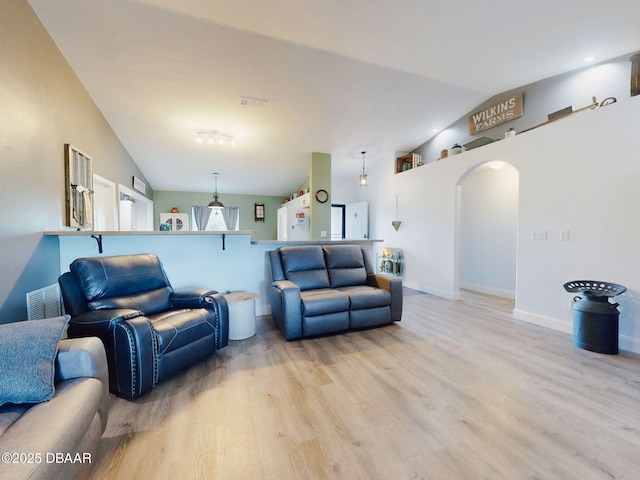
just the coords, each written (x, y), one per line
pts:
(242, 314)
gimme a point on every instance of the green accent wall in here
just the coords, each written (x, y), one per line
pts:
(320, 178)
(164, 200)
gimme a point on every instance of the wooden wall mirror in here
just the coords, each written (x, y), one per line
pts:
(78, 188)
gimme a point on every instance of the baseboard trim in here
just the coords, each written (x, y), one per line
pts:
(625, 342)
(497, 292)
(433, 291)
(629, 344)
(543, 321)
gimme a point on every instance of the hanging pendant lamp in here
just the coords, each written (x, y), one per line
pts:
(363, 177)
(396, 223)
(215, 203)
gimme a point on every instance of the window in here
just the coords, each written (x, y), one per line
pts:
(216, 221)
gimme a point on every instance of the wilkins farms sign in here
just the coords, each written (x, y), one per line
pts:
(503, 112)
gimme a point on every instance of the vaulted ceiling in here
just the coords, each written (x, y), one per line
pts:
(339, 76)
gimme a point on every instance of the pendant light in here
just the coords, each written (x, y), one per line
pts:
(396, 223)
(363, 177)
(215, 203)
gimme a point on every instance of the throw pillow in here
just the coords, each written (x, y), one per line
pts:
(27, 359)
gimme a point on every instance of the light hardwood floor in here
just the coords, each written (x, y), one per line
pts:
(457, 390)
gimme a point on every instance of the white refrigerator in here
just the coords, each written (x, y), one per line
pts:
(293, 221)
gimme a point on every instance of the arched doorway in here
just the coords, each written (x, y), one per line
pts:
(487, 229)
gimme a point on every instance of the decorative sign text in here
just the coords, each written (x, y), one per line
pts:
(139, 185)
(503, 112)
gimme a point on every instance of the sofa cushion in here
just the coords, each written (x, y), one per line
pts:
(363, 296)
(345, 264)
(323, 301)
(103, 277)
(323, 324)
(27, 359)
(178, 328)
(370, 317)
(305, 266)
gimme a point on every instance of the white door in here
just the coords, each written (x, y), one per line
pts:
(283, 223)
(105, 205)
(142, 209)
(127, 215)
(357, 220)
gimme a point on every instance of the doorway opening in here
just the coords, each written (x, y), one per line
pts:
(337, 221)
(487, 230)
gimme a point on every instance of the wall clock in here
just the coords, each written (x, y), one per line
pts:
(322, 196)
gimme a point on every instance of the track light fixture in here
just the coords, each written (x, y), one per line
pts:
(215, 137)
(363, 177)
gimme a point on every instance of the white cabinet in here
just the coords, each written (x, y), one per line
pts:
(176, 221)
(305, 200)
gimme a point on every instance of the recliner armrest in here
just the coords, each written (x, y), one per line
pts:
(81, 357)
(218, 303)
(85, 357)
(393, 285)
(189, 298)
(98, 322)
(286, 308)
(285, 285)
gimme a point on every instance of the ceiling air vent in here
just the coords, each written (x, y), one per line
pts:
(253, 102)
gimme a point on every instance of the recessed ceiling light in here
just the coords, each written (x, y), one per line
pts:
(589, 59)
(435, 130)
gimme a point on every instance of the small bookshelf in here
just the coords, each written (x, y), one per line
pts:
(407, 162)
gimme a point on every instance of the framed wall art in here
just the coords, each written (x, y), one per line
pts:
(78, 188)
(258, 212)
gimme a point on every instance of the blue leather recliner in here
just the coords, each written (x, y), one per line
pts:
(318, 290)
(149, 331)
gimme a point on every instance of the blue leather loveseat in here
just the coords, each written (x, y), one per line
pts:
(324, 289)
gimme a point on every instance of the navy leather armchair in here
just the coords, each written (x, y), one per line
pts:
(323, 289)
(149, 331)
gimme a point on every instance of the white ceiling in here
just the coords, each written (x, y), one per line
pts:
(339, 76)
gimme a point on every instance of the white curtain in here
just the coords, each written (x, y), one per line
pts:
(230, 215)
(201, 216)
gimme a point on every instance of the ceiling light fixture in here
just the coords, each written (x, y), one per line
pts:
(253, 102)
(589, 59)
(214, 137)
(363, 177)
(215, 203)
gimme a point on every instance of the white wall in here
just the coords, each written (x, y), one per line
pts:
(580, 173)
(489, 230)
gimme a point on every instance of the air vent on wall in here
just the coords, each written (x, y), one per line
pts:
(44, 303)
(253, 102)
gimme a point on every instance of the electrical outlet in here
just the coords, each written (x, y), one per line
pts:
(539, 235)
(323, 233)
(564, 235)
